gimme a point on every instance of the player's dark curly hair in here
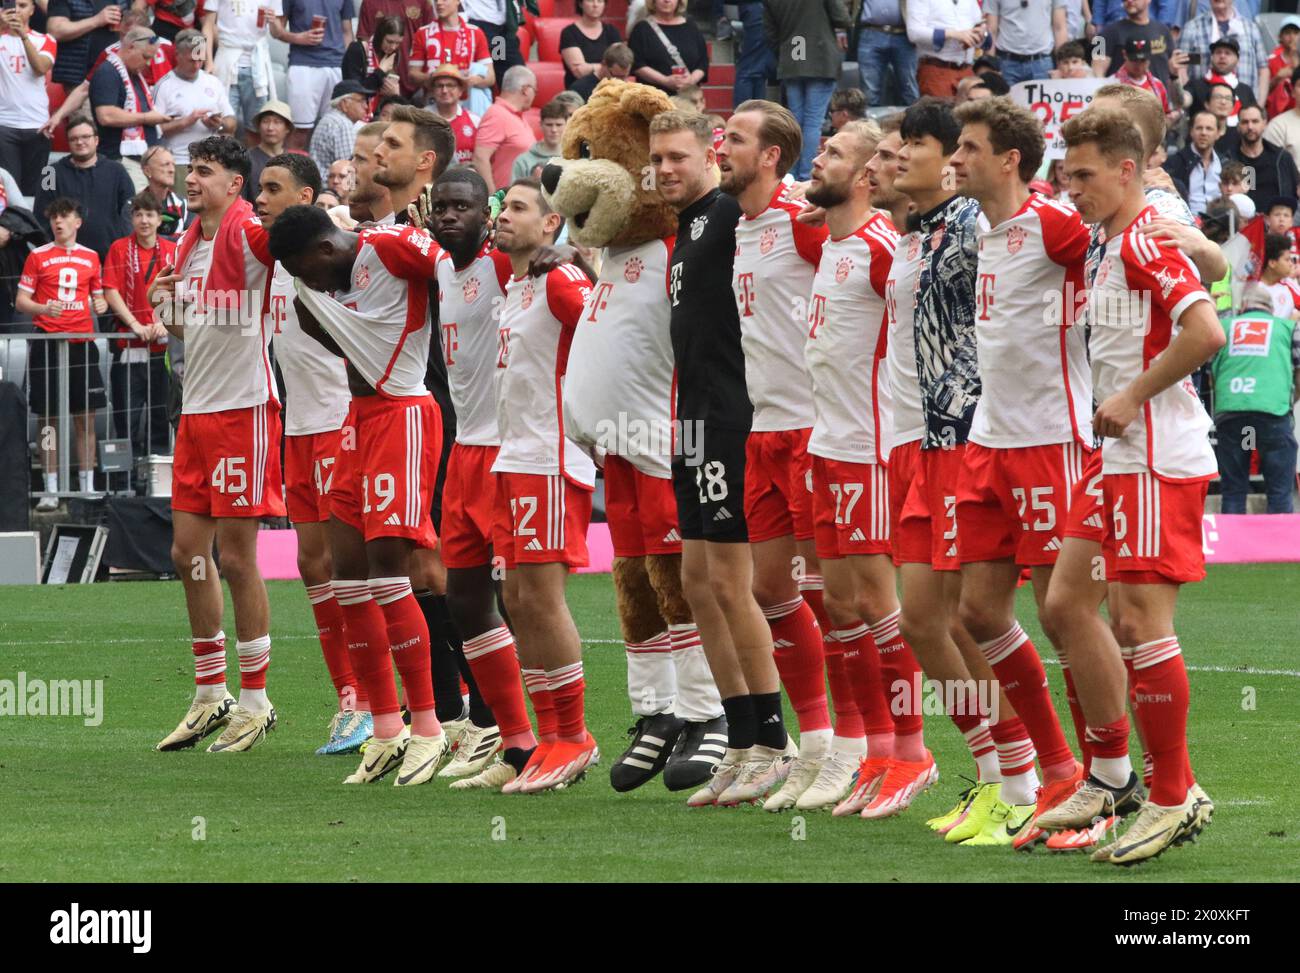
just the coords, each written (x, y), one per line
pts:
(463, 176)
(296, 229)
(303, 169)
(1275, 244)
(932, 116)
(224, 151)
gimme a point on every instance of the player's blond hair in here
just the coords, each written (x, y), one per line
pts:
(1144, 107)
(868, 135)
(1111, 130)
(665, 123)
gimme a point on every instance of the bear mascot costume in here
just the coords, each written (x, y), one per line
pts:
(618, 405)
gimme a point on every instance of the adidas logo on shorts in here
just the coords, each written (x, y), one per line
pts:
(1124, 551)
(1095, 521)
(951, 552)
(240, 501)
(672, 536)
(857, 535)
(722, 514)
(393, 520)
(534, 545)
(1052, 545)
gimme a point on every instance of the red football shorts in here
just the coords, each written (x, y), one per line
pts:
(778, 485)
(472, 514)
(548, 520)
(903, 461)
(227, 464)
(1153, 529)
(386, 467)
(1087, 517)
(929, 520)
(850, 508)
(309, 474)
(641, 510)
(1014, 503)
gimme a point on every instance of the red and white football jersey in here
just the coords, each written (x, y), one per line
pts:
(316, 394)
(536, 329)
(382, 321)
(227, 359)
(845, 350)
(608, 406)
(24, 103)
(1141, 288)
(465, 127)
(776, 258)
(469, 309)
(67, 275)
(1033, 359)
(907, 417)
(433, 46)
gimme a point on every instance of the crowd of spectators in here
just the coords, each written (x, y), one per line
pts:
(122, 88)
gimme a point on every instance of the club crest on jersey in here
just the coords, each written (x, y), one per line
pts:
(632, 270)
(1102, 273)
(527, 300)
(697, 226)
(767, 240)
(362, 278)
(913, 246)
(842, 269)
(1015, 239)
(1167, 280)
(470, 290)
(936, 238)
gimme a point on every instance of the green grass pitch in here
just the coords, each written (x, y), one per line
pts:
(80, 803)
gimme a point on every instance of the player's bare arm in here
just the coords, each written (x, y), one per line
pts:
(1201, 336)
(162, 292)
(548, 258)
(1202, 251)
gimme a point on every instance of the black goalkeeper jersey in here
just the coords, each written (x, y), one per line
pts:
(705, 324)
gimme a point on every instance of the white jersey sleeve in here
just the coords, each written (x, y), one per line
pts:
(1033, 360)
(776, 258)
(469, 310)
(316, 395)
(618, 391)
(845, 349)
(537, 324)
(908, 419)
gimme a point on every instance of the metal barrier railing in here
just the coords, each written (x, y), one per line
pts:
(93, 406)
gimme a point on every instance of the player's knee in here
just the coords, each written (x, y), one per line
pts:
(238, 565)
(1126, 630)
(843, 612)
(730, 595)
(917, 628)
(976, 617)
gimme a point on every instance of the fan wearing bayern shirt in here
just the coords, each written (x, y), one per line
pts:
(547, 482)
(845, 356)
(1152, 325)
(60, 287)
(451, 39)
(316, 404)
(365, 296)
(472, 278)
(776, 259)
(28, 57)
(226, 470)
(1029, 442)
(938, 257)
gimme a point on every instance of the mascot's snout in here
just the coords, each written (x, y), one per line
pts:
(595, 196)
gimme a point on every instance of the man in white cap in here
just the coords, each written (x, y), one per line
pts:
(272, 123)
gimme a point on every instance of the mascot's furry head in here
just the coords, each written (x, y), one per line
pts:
(604, 186)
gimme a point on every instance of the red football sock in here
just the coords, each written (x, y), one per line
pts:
(797, 647)
(899, 673)
(863, 664)
(812, 588)
(1015, 749)
(1077, 718)
(539, 692)
(1164, 698)
(567, 689)
(254, 661)
(372, 662)
(333, 642)
(848, 719)
(1126, 653)
(495, 665)
(210, 660)
(408, 636)
(1016, 663)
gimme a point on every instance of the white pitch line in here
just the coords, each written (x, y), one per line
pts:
(1242, 671)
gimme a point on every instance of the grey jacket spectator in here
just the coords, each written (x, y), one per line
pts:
(803, 33)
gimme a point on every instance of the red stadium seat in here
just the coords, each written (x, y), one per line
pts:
(525, 41)
(547, 31)
(550, 80)
(534, 118)
(57, 94)
(546, 8)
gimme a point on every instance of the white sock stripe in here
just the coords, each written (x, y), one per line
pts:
(1004, 646)
(979, 736)
(259, 644)
(1017, 751)
(253, 663)
(564, 676)
(209, 665)
(850, 634)
(1153, 653)
(1126, 653)
(777, 612)
(388, 590)
(652, 647)
(496, 638)
(812, 582)
(320, 593)
(214, 639)
(886, 629)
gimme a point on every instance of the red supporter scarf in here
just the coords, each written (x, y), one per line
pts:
(226, 270)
